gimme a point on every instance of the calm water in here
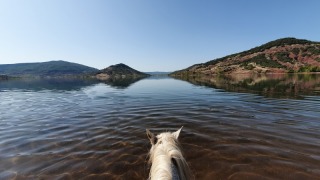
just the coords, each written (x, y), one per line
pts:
(234, 127)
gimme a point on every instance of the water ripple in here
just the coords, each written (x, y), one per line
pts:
(98, 132)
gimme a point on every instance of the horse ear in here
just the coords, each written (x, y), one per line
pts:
(150, 136)
(177, 133)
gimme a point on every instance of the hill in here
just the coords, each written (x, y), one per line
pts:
(51, 68)
(119, 71)
(285, 55)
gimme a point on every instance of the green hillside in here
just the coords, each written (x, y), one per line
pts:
(51, 68)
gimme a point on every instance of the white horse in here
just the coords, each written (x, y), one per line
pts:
(167, 162)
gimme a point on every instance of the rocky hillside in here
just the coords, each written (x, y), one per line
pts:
(119, 71)
(51, 68)
(285, 55)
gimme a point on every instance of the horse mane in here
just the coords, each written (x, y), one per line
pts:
(166, 158)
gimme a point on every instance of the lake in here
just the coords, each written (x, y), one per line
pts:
(241, 127)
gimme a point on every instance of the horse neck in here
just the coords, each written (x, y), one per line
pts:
(163, 166)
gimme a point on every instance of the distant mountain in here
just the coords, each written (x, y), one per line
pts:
(279, 56)
(119, 71)
(51, 68)
(4, 77)
(157, 73)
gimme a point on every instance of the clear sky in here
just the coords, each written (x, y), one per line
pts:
(148, 35)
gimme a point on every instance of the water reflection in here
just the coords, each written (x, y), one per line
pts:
(122, 83)
(293, 86)
(62, 84)
(38, 84)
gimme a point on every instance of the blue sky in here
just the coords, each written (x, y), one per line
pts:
(148, 35)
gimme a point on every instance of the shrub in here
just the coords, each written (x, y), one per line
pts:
(296, 51)
(315, 69)
(309, 69)
(284, 57)
(249, 67)
(291, 71)
(313, 50)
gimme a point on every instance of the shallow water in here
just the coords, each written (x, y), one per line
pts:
(233, 129)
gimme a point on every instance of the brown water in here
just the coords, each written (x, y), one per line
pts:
(267, 128)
